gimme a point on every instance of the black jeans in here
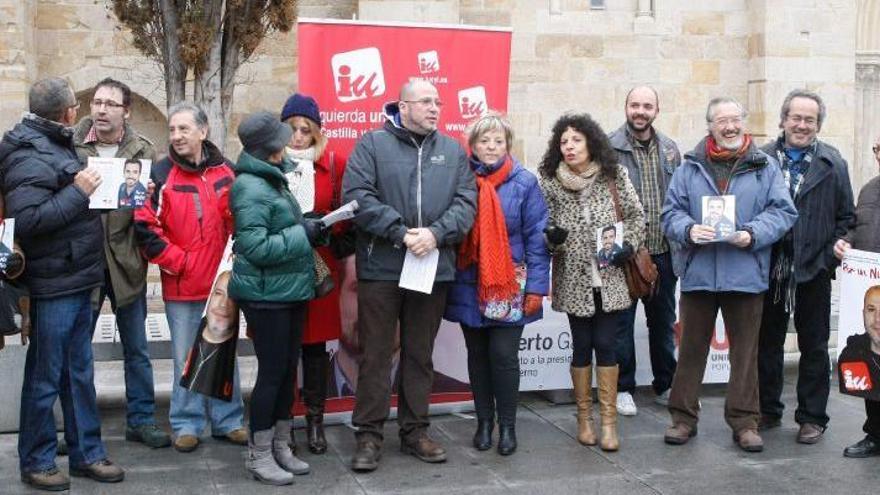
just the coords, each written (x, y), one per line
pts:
(660, 313)
(872, 423)
(277, 335)
(493, 369)
(595, 333)
(812, 321)
(381, 305)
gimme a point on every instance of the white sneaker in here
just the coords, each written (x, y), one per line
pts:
(625, 404)
(662, 399)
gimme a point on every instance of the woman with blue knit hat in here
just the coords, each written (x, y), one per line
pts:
(273, 278)
(316, 182)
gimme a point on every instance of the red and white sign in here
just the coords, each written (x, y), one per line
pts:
(353, 68)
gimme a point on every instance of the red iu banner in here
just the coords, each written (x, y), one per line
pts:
(352, 69)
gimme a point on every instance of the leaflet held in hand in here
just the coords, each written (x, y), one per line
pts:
(123, 183)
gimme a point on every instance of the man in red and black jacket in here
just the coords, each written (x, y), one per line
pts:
(184, 228)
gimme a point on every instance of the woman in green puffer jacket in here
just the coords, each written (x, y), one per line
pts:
(273, 278)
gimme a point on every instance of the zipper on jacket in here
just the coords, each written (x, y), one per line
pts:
(419, 179)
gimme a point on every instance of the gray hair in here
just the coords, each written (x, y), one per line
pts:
(802, 93)
(49, 98)
(720, 100)
(492, 121)
(198, 114)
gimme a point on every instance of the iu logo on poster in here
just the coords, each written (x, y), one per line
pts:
(429, 62)
(358, 74)
(472, 102)
(856, 377)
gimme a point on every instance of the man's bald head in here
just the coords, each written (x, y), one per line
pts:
(643, 91)
(410, 89)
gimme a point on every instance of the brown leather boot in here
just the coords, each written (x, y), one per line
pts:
(582, 378)
(607, 379)
(315, 375)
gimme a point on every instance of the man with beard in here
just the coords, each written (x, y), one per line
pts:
(731, 276)
(802, 265)
(650, 158)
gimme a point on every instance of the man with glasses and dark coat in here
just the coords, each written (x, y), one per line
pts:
(802, 265)
(416, 194)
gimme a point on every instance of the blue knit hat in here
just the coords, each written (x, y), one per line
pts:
(303, 106)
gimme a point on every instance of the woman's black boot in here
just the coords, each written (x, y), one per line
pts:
(506, 438)
(483, 436)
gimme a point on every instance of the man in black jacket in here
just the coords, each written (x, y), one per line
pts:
(802, 265)
(416, 194)
(47, 192)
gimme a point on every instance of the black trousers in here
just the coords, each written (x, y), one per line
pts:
(277, 335)
(812, 322)
(493, 369)
(597, 333)
(872, 423)
(381, 305)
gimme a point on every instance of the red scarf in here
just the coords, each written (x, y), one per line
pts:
(487, 244)
(718, 154)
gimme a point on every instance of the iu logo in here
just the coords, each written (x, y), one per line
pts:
(358, 74)
(856, 377)
(429, 62)
(472, 102)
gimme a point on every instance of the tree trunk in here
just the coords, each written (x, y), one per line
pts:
(175, 70)
(206, 90)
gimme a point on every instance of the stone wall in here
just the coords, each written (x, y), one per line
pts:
(565, 57)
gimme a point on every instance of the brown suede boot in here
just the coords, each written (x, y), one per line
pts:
(582, 378)
(607, 379)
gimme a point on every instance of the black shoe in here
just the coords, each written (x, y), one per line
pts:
(483, 436)
(866, 447)
(506, 439)
(366, 457)
(317, 442)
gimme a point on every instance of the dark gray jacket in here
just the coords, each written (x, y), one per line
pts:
(670, 158)
(394, 181)
(865, 231)
(825, 210)
(60, 236)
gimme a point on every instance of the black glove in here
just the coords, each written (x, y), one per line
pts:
(342, 245)
(625, 253)
(555, 234)
(11, 264)
(317, 232)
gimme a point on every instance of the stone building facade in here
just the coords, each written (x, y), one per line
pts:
(568, 55)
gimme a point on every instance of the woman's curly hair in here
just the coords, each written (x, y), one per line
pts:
(598, 146)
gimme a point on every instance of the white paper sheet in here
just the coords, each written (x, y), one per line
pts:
(419, 271)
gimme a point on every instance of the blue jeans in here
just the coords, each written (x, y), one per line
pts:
(660, 313)
(59, 363)
(189, 410)
(131, 323)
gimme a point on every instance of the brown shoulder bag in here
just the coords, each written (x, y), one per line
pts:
(640, 271)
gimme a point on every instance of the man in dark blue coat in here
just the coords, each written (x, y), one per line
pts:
(802, 265)
(47, 192)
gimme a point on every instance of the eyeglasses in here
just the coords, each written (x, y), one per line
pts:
(427, 102)
(797, 119)
(723, 122)
(109, 104)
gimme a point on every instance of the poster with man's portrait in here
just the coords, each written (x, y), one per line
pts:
(609, 242)
(858, 334)
(123, 183)
(719, 212)
(7, 236)
(210, 364)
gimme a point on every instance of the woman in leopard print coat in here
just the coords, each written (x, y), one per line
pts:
(576, 172)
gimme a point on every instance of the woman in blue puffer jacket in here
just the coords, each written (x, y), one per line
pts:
(501, 278)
